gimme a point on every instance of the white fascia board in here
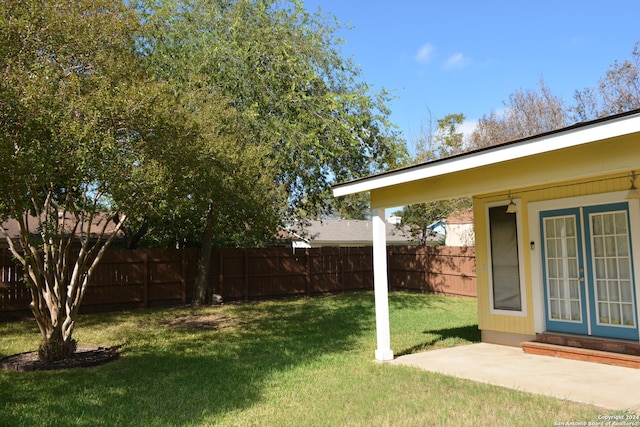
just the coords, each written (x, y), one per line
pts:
(537, 145)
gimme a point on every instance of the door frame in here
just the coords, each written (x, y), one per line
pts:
(534, 235)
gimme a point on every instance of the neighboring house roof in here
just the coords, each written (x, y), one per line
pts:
(12, 227)
(460, 217)
(438, 227)
(347, 232)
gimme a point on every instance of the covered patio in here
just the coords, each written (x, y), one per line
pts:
(581, 173)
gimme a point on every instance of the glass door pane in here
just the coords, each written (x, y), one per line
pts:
(611, 263)
(563, 272)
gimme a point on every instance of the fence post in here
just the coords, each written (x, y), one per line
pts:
(211, 283)
(183, 275)
(341, 255)
(246, 274)
(220, 274)
(308, 272)
(422, 260)
(145, 282)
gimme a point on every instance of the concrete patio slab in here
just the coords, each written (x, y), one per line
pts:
(610, 387)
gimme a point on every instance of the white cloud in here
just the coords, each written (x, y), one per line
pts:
(425, 52)
(467, 127)
(457, 60)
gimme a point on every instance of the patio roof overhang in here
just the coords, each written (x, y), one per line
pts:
(585, 150)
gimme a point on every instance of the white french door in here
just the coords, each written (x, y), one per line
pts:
(588, 272)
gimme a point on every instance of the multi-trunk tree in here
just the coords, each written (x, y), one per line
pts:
(78, 121)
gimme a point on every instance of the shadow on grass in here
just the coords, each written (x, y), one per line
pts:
(469, 333)
(400, 300)
(185, 376)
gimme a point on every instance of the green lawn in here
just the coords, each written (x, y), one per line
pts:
(303, 362)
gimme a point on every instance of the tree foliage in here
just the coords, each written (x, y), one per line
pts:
(531, 112)
(618, 91)
(280, 67)
(78, 120)
(527, 112)
(446, 141)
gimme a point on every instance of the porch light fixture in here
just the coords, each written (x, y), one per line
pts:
(633, 191)
(511, 207)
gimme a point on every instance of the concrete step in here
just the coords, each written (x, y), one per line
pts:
(585, 354)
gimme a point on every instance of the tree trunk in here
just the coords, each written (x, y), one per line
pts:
(55, 346)
(56, 297)
(204, 262)
(132, 238)
(58, 278)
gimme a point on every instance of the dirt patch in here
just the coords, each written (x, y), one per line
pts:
(84, 357)
(211, 322)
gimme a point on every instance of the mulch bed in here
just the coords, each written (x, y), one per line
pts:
(84, 357)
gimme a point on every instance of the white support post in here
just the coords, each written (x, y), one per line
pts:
(380, 286)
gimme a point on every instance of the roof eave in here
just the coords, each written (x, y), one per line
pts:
(582, 133)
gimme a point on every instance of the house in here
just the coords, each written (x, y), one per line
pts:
(557, 230)
(439, 227)
(459, 229)
(344, 232)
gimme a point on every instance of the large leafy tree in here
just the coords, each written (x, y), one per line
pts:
(306, 119)
(281, 69)
(226, 187)
(78, 123)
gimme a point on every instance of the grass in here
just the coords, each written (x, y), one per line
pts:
(304, 362)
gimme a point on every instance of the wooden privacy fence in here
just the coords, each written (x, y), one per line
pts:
(433, 269)
(145, 278)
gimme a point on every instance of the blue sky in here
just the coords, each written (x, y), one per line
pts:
(469, 56)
